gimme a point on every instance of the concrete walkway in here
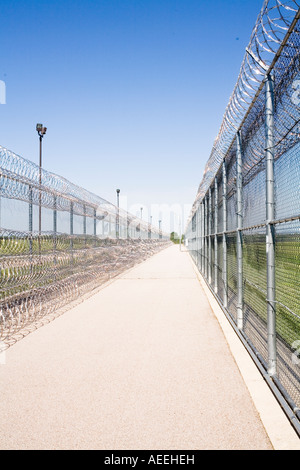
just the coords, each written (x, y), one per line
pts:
(142, 364)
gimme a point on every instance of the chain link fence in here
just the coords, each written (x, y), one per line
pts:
(58, 242)
(244, 230)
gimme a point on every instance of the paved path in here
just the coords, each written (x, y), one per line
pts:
(142, 364)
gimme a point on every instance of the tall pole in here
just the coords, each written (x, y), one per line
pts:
(198, 235)
(30, 225)
(55, 232)
(205, 238)
(55, 218)
(209, 236)
(216, 231)
(40, 194)
(40, 184)
(239, 214)
(84, 224)
(202, 237)
(270, 229)
(71, 229)
(225, 281)
(95, 227)
(41, 130)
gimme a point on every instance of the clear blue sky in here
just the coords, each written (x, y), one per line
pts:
(132, 91)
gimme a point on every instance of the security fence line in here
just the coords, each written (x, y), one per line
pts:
(244, 230)
(58, 242)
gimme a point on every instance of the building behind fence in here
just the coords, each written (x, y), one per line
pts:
(244, 229)
(59, 241)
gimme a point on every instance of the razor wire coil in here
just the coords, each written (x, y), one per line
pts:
(84, 241)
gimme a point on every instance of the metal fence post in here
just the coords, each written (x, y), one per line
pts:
(270, 229)
(54, 217)
(195, 242)
(30, 222)
(225, 280)
(205, 239)
(200, 236)
(197, 237)
(209, 236)
(216, 231)
(239, 240)
(1, 201)
(84, 223)
(71, 229)
(95, 227)
(54, 231)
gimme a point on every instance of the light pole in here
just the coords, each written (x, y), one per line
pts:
(150, 228)
(41, 130)
(159, 222)
(118, 213)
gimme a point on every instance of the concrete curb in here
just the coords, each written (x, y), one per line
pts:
(277, 425)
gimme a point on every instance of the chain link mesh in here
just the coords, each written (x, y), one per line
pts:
(273, 56)
(83, 242)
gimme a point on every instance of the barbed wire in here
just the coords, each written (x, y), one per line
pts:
(267, 38)
(247, 253)
(83, 242)
(20, 176)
